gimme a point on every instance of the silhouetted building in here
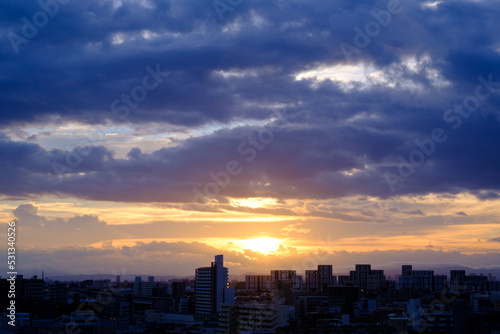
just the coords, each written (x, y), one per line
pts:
(421, 281)
(366, 278)
(284, 283)
(459, 282)
(278, 276)
(345, 296)
(318, 280)
(59, 293)
(258, 283)
(344, 280)
(311, 280)
(144, 289)
(308, 306)
(252, 318)
(178, 289)
(30, 289)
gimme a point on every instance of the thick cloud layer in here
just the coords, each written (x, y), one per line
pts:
(183, 63)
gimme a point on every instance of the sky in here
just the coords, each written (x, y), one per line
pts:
(145, 137)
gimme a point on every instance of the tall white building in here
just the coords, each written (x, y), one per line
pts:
(212, 287)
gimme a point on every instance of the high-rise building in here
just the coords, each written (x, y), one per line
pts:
(280, 276)
(439, 283)
(417, 281)
(284, 283)
(144, 288)
(422, 280)
(366, 278)
(405, 278)
(58, 293)
(407, 269)
(178, 289)
(325, 276)
(30, 288)
(318, 280)
(460, 282)
(258, 282)
(312, 281)
(457, 280)
(212, 287)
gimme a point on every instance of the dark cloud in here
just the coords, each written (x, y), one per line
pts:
(296, 164)
(40, 231)
(487, 194)
(78, 70)
(340, 142)
(461, 213)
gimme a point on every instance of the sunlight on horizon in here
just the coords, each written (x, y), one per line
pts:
(262, 245)
(254, 202)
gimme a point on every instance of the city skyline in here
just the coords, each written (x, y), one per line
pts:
(143, 137)
(281, 302)
(211, 284)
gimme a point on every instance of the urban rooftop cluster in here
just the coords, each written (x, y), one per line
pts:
(283, 301)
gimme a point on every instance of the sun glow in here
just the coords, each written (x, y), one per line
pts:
(254, 202)
(262, 245)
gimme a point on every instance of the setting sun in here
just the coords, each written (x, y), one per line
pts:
(262, 245)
